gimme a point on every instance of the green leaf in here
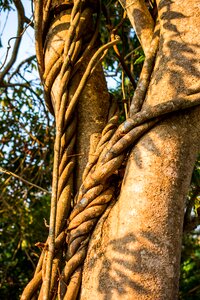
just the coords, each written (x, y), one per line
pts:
(139, 60)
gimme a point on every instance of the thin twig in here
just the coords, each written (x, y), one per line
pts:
(134, 50)
(27, 60)
(39, 24)
(124, 96)
(23, 180)
(20, 32)
(123, 64)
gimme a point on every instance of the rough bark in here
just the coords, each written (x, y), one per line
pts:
(135, 249)
(92, 117)
(141, 21)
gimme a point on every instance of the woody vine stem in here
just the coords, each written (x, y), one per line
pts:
(73, 220)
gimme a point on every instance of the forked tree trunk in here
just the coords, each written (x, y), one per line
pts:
(135, 250)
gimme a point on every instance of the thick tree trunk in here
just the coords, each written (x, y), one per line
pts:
(135, 249)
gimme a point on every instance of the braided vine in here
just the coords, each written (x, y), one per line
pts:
(72, 220)
(64, 63)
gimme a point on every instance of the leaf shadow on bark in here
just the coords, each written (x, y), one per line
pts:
(177, 58)
(177, 63)
(122, 271)
(149, 145)
(117, 257)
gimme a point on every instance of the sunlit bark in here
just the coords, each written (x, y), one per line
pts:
(135, 250)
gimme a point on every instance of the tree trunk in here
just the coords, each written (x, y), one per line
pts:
(135, 249)
(93, 104)
(65, 46)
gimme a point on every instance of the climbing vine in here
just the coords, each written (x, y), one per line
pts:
(73, 217)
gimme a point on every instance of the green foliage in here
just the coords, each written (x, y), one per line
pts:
(190, 268)
(139, 60)
(129, 46)
(5, 5)
(190, 259)
(26, 135)
(21, 228)
(196, 173)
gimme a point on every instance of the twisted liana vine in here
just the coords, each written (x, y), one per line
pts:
(96, 192)
(61, 70)
(72, 220)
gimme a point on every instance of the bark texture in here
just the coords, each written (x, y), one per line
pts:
(93, 104)
(135, 249)
(66, 40)
(92, 117)
(141, 20)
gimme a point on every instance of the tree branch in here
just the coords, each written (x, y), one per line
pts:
(38, 24)
(23, 180)
(29, 21)
(141, 21)
(27, 60)
(21, 19)
(123, 64)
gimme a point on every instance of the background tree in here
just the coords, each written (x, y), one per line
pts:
(128, 54)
